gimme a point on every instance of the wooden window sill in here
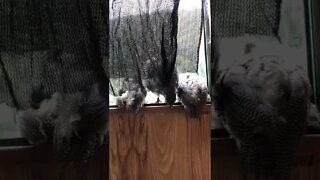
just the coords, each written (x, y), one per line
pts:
(159, 143)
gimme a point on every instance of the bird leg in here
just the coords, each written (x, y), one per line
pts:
(158, 100)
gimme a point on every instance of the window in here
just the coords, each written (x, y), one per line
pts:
(293, 34)
(189, 25)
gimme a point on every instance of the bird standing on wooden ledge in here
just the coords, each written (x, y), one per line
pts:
(131, 94)
(192, 92)
(160, 81)
(161, 76)
(265, 106)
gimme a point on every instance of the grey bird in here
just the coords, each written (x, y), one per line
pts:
(82, 124)
(265, 107)
(159, 80)
(131, 94)
(192, 93)
(35, 124)
(160, 71)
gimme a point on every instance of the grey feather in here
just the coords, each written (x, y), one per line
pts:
(192, 92)
(265, 108)
(158, 81)
(131, 94)
(35, 124)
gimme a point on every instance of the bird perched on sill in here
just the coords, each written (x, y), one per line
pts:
(193, 93)
(131, 94)
(265, 106)
(36, 123)
(160, 73)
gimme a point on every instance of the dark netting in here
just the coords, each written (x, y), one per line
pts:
(53, 45)
(148, 40)
(138, 29)
(233, 18)
(56, 47)
(190, 27)
(236, 18)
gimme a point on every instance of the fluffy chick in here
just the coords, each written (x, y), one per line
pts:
(192, 92)
(132, 94)
(35, 124)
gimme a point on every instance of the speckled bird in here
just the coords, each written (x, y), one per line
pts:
(131, 94)
(265, 106)
(192, 93)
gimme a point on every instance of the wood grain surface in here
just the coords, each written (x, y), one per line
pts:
(159, 144)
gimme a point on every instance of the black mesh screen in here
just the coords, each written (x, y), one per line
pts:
(237, 18)
(57, 47)
(49, 46)
(151, 39)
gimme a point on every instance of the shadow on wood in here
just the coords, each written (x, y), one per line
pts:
(159, 143)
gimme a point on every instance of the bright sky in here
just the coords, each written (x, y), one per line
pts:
(190, 4)
(131, 9)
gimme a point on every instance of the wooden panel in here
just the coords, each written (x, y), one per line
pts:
(159, 143)
(36, 163)
(226, 162)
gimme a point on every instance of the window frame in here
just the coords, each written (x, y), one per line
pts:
(313, 45)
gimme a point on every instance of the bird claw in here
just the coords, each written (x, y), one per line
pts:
(158, 101)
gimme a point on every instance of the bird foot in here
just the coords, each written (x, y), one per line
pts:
(158, 101)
